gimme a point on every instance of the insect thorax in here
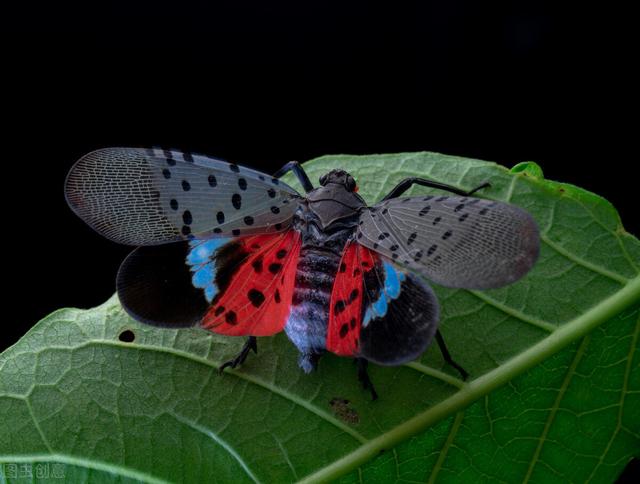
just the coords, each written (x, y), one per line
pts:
(319, 261)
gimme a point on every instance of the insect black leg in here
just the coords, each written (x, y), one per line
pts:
(447, 356)
(407, 183)
(298, 171)
(363, 376)
(251, 344)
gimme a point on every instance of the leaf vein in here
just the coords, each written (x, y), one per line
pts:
(556, 405)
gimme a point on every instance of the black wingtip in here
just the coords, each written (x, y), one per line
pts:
(154, 287)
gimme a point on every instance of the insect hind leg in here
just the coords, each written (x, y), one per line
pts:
(363, 376)
(407, 183)
(298, 171)
(447, 356)
(251, 344)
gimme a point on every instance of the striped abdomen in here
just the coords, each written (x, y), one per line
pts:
(307, 324)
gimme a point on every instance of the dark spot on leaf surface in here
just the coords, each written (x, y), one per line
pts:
(343, 409)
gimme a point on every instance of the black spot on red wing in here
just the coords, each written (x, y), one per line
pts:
(219, 310)
(356, 272)
(186, 186)
(166, 173)
(344, 329)
(366, 264)
(234, 168)
(424, 211)
(436, 220)
(353, 295)
(231, 317)
(277, 296)
(255, 245)
(220, 217)
(213, 181)
(236, 201)
(447, 234)
(281, 253)
(257, 265)
(339, 307)
(463, 217)
(256, 297)
(248, 220)
(343, 267)
(432, 249)
(352, 323)
(173, 204)
(275, 267)
(271, 192)
(242, 183)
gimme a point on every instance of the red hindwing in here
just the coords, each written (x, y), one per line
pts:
(258, 298)
(345, 315)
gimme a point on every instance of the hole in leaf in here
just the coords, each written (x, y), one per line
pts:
(127, 336)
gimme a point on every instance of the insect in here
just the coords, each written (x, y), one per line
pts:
(241, 253)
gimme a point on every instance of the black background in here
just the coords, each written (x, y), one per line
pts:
(261, 84)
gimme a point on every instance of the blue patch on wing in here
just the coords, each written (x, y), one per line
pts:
(392, 286)
(201, 261)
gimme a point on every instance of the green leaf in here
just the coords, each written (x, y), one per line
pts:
(554, 393)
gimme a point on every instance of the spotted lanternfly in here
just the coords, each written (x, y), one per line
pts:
(241, 253)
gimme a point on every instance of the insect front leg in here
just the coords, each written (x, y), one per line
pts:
(447, 356)
(251, 344)
(407, 183)
(298, 171)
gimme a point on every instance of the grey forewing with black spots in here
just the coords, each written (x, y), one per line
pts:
(453, 241)
(152, 196)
